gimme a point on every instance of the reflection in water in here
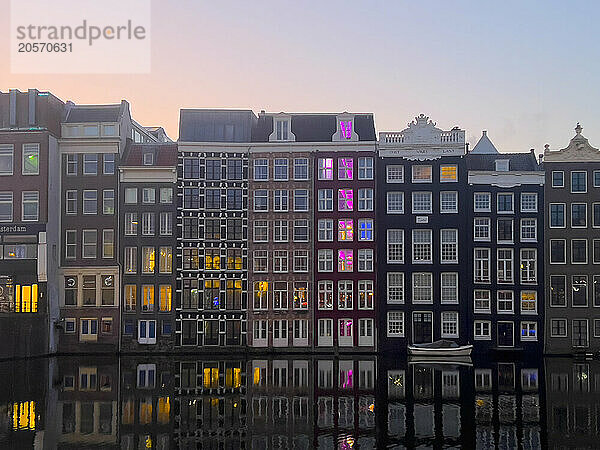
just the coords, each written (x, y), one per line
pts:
(297, 403)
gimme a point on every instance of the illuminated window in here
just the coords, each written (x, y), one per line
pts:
(148, 259)
(130, 297)
(528, 265)
(300, 295)
(365, 229)
(325, 292)
(448, 173)
(212, 293)
(365, 294)
(166, 260)
(31, 159)
(212, 259)
(163, 412)
(345, 230)
(261, 294)
(345, 129)
(345, 200)
(148, 297)
(345, 295)
(325, 166)
(145, 411)
(528, 302)
(165, 298)
(345, 260)
(26, 298)
(421, 174)
(107, 325)
(529, 331)
(345, 168)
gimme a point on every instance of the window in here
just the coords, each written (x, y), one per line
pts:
(89, 290)
(596, 178)
(71, 163)
(325, 229)
(395, 202)
(31, 159)
(449, 324)
(261, 292)
(280, 261)
(6, 159)
(345, 230)
(596, 251)
(395, 174)
(365, 260)
(505, 231)
(558, 179)
(325, 292)
(345, 260)
(166, 195)
(422, 288)
(505, 265)
(191, 168)
(365, 168)
(165, 264)
(528, 230)
(395, 246)
(70, 244)
(261, 169)
(166, 224)
(261, 231)
(395, 324)
(301, 169)
(505, 301)
(395, 287)
(558, 253)
(261, 200)
(280, 295)
(596, 215)
(558, 289)
(300, 199)
(345, 168)
(482, 301)
(421, 202)
(148, 195)
(365, 332)
(282, 129)
(345, 295)
(528, 265)
(578, 182)
(482, 202)
(448, 202)
(281, 169)
(482, 265)
(325, 260)
(260, 261)
(109, 164)
(130, 297)
(325, 167)
(449, 246)
(579, 290)
(596, 290)
(482, 330)
(148, 259)
(89, 243)
(148, 224)
(365, 199)
(130, 259)
(579, 251)
(557, 215)
(505, 203)
(212, 259)
(528, 302)
(578, 215)
(529, 331)
(213, 169)
(448, 173)
(558, 327)
(6, 206)
(71, 203)
(280, 200)
(421, 243)
(146, 335)
(90, 164)
(481, 229)
(528, 202)
(449, 287)
(108, 243)
(365, 229)
(88, 329)
(421, 174)
(325, 199)
(90, 202)
(280, 228)
(108, 201)
(300, 260)
(345, 200)
(365, 294)
(130, 196)
(30, 206)
(212, 198)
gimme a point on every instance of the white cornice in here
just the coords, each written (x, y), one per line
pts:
(148, 174)
(506, 179)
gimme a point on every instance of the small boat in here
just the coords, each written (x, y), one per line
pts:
(443, 347)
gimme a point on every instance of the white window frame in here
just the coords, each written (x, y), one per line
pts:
(397, 177)
(395, 318)
(395, 291)
(396, 199)
(449, 317)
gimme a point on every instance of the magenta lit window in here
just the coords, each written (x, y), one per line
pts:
(345, 168)
(345, 260)
(345, 230)
(325, 168)
(346, 379)
(345, 200)
(345, 129)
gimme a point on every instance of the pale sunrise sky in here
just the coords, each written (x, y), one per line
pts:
(525, 71)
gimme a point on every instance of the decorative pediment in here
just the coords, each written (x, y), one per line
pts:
(422, 132)
(579, 149)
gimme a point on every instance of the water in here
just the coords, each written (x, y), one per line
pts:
(297, 403)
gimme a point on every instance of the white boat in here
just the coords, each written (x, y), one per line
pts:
(443, 347)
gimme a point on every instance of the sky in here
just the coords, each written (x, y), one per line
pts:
(526, 71)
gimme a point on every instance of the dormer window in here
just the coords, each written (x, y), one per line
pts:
(148, 159)
(345, 129)
(282, 130)
(502, 165)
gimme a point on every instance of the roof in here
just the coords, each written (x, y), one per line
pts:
(165, 155)
(518, 162)
(215, 125)
(484, 146)
(94, 113)
(314, 127)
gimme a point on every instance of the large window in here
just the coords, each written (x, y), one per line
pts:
(345, 200)
(281, 169)
(365, 294)
(578, 181)
(395, 246)
(280, 200)
(422, 288)
(528, 265)
(108, 201)
(108, 243)
(528, 302)
(90, 164)
(449, 246)
(325, 292)
(166, 224)
(301, 230)
(261, 169)
(448, 173)
(395, 324)
(505, 231)
(345, 294)
(578, 215)
(505, 265)
(558, 179)
(261, 200)
(325, 230)
(395, 287)
(365, 260)
(449, 287)
(579, 251)
(449, 324)
(558, 289)
(365, 168)
(395, 174)
(346, 260)
(325, 260)
(365, 229)
(558, 253)
(448, 202)
(280, 230)
(365, 199)
(6, 206)
(130, 259)
(395, 202)
(482, 202)
(482, 265)
(482, 303)
(31, 159)
(90, 202)
(148, 259)
(345, 168)
(280, 261)
(421, 174)
(30, 206)
(6, 159)
(481, 229)
(90, 239)
(325, 167)
(325, 199)
(301, 169)
(528, 230)
(166, 260)
(421, 203)
(596, 215)
(579, 291)
(300, 199)
(505, 203)
(148, 224)
(191, 198)
(345, 230)
(529, 202)
(422, 246)
(557, 215)
(212, 198)
(213, 169)
(505, 302)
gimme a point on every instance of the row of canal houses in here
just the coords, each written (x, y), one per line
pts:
(287, 232)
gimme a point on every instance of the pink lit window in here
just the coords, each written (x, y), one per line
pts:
(345, 261)
(346, 378)
(346, 330)
(345, 294)
(345, 200)
(345, 230)
(345, 129)
(325, 168)
(345, 167)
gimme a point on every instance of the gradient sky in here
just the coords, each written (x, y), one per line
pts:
(525, 71)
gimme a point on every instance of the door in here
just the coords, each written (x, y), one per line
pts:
(422, 327)
(506, 334)
(580, 333)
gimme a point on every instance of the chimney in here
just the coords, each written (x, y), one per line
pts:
(484, 133)
(12, 108)
(32, 97)
(540, 159)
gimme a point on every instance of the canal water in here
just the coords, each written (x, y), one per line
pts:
(295, 402)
